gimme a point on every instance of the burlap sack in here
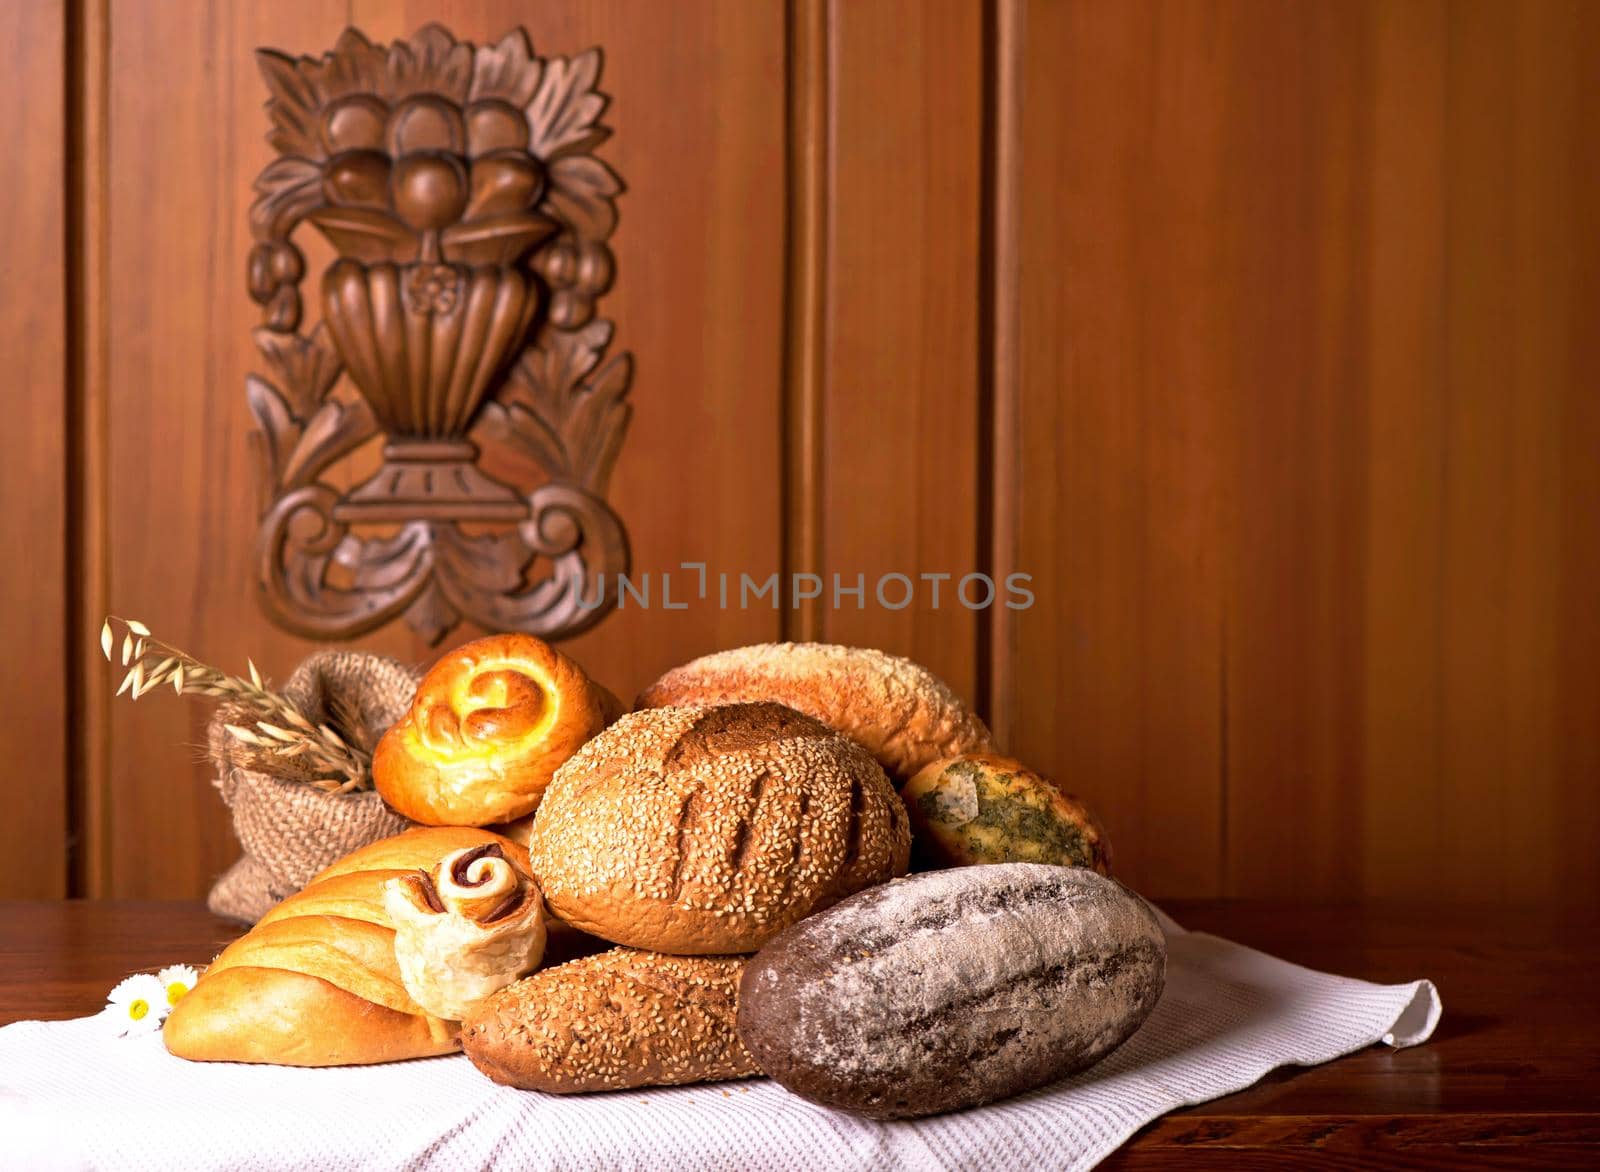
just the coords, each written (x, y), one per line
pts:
(290, 830)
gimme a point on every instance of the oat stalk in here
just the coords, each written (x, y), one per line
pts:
(275, 726)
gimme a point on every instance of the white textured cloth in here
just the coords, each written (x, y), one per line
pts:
(72, 1096)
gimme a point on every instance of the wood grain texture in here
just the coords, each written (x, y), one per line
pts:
(89, 738)
(1000, 345)
(33, 449)
(1292, 246)
(185, 141)
(810, 169)
(1122, 371)
(698, 111)
(1304, 381)
(900, 401)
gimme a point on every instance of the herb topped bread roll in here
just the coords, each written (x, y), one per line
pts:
(904, 714)
(986, 809)
(702, 831)
(316, 982)
(490, 724)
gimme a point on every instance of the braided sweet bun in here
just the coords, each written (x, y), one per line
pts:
(316, 982)
(900, 711)
(705, 831)
(489, 726)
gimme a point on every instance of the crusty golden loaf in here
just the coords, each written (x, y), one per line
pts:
(316, 982)
(703, 831)
(904, 714)
(416, 849)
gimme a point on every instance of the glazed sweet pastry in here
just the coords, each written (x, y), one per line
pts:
(621, 1019)
(316, 982)
(703, 831)
(490, 724)
(987, 809)
(901, 712)
(466, 928)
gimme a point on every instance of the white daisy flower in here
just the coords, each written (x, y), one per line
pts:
(137, 1005)
(176, 980)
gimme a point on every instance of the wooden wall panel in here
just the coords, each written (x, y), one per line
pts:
(1118, 681)
(1278, 316)
(184, 130)
(1518, 509)
(33, 451)
(899, 395)
(1405, 481)
(1305, 390)
(699, 111)
(1294, 248)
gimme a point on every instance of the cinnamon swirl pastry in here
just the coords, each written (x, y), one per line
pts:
(469, 927)
(489, 726)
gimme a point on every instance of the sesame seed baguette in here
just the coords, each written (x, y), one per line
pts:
(902, 713)
(705, 831)
(624, 1018)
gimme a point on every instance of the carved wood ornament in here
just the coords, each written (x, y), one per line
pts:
(469, 218)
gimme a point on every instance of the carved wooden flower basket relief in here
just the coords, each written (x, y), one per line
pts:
(469, 219)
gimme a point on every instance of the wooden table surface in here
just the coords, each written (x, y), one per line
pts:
(1511, 1078)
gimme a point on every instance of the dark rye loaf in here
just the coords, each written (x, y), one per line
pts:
(952, 988)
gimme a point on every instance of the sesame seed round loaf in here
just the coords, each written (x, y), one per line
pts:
(905, 715)
(703, 831)
(624, 1018)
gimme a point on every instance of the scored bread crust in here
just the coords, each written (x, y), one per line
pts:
(624, 1018)
(315, 982)
(704, 831)
(900, 711)
(489, 725)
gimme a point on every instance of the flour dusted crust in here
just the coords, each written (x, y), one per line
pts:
(703, 831)
(624, 1018)
(316, 982)
(952, 988)
(902, 713)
